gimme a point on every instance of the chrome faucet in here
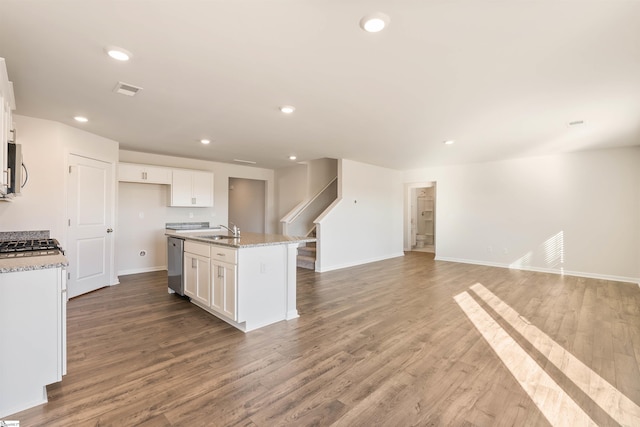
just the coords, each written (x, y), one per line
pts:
(235, 231)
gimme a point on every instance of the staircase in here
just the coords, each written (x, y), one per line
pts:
(302, 218)
(300, 221)
(307, 256)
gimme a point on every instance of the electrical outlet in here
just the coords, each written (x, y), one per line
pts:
(505, 250)
(490, 249)
(190, 214)
(141, 215)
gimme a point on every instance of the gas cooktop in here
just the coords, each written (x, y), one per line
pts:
(29, 247)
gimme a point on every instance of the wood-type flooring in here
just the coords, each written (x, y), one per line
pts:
(383, 344)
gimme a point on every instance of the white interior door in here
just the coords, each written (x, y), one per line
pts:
(90, 203)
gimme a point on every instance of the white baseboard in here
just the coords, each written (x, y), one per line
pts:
(141, 270)
(361, 262)
(545, 270)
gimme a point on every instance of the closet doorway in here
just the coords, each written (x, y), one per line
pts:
(247, 203)
(422, 217)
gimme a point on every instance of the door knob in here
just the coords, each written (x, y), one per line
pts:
(109, 230)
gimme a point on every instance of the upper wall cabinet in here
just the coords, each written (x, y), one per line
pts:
(192, 188)
(130, 172)
(7, 104)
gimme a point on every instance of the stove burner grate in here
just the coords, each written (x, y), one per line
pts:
(29, 245)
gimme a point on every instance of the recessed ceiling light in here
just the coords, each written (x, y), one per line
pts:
(374, 22)
(448, 142)
(81, 119)
(205, 141)
(118, 53)
(287, 109)
(576, 123)
(292, 157)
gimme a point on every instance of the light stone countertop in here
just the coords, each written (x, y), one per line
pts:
(246, 240)
(10, 265)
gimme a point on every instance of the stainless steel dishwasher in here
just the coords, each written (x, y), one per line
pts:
(175, 257)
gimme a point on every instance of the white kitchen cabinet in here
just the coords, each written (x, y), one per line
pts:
(6, 123)
(197, 272)
(250, 286)
(32, 336)
(224, 273)
(191, 188)
(131, 172)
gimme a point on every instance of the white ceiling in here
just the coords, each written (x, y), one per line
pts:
(502, 78)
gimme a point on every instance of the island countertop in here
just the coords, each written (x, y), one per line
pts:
(246, 240)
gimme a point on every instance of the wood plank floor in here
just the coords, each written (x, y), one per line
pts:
(380, 344)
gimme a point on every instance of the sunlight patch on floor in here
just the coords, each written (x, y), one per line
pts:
(554, 403)
(611, 400)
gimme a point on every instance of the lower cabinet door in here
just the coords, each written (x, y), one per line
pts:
(190, 275)
(197, 278)
(223, 279)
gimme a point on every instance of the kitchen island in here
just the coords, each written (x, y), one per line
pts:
(248, 281)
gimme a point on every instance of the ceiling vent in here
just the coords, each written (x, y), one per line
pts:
(126, 89)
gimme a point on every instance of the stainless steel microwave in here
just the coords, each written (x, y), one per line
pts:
(15, 168)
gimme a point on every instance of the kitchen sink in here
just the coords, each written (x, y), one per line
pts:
(217, 237)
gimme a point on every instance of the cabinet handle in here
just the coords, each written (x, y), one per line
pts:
(194, 263)
(220, 272)
(219, 254)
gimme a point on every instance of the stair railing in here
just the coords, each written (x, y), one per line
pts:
(300, 221)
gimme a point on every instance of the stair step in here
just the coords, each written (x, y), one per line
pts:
(307, 251)
(306, 262)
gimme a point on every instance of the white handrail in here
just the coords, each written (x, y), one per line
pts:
(299, 221)
(295, 212)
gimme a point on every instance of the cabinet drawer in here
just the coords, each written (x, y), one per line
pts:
(223, 254)
(201, 249)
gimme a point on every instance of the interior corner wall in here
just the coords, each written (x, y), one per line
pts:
(576, 213)
(320, 172)
(45, 145)
(291, 189)
(366, 224)
(41, 205)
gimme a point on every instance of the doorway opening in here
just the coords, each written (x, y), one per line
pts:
(422, 217)
(247, 204)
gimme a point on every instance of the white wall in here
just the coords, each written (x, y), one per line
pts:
(320, 172)
(365, 224)
(575, 213)
(291, 189)
(41, 205)
(135, 234)
(45, 147)
(301, 182)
